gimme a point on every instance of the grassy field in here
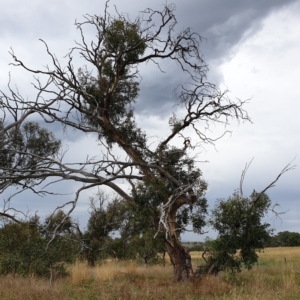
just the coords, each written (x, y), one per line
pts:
(276, 276)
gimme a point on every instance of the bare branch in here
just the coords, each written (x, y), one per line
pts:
(287, 168)
(243, 176)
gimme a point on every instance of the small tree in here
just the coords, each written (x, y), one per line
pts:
(60, 239)
(241, 232)
(25, 248)
(20, 248)
(139, 226)
(105, 218)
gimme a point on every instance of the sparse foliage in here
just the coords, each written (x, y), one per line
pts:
(105, 218)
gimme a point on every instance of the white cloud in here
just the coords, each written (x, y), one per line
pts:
(265, 68)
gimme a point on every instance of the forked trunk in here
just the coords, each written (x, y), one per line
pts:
(181, 261)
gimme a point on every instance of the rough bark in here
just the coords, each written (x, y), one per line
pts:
(179, 255)
(181, 261)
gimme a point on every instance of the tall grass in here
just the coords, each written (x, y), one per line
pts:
(109, 271)
(29, 288)
(276, 276)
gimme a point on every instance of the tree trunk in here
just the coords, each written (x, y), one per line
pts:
(181, 260)
(91, 259)
(179, 255)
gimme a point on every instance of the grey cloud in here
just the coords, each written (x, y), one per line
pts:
(222, 23)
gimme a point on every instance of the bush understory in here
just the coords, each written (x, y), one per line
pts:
(276, 276)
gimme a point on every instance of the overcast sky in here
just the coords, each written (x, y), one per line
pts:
(252, 49)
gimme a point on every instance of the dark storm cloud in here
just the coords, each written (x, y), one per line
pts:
(222, 24)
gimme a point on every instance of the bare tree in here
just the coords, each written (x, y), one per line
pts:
(103, 104)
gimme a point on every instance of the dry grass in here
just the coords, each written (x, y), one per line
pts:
(275, 277)
(28, 288)
(109, 271)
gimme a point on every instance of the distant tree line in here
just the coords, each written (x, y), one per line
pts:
(281, 239)
(284, 239)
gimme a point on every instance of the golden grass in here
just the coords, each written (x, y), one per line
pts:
(28, 288)
(276, 276)
(280, 254)
(109, 271)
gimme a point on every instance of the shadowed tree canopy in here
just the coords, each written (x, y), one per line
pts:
(100, 98)
(26, 149)
(25, 146)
